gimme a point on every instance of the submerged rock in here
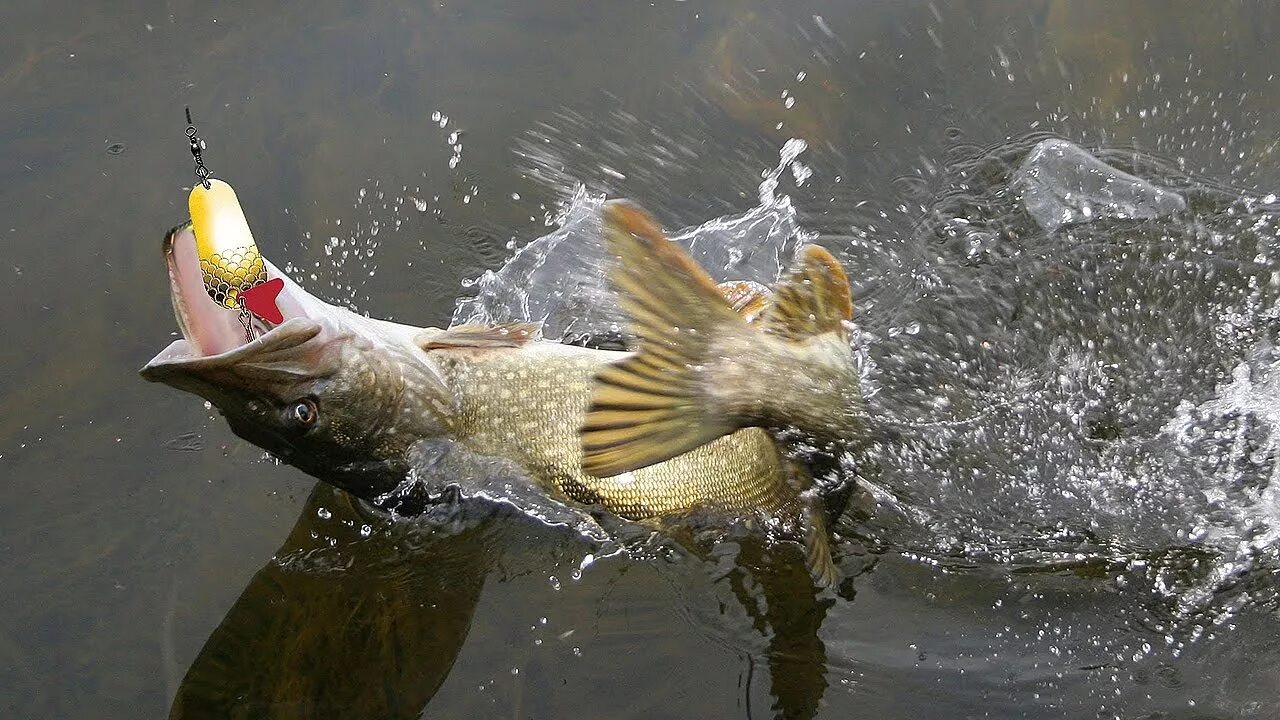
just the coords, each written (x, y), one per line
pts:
(1062, 184)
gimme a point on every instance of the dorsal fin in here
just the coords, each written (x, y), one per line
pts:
(814, 299)
(480, 336)
(747, 298)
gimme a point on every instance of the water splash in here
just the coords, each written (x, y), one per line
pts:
(1038, 381)
(1061, 184)
(343, 255)
(1073, 392)
(559, 279)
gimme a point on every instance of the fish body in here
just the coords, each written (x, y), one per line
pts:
(527, 404)
(366, 404)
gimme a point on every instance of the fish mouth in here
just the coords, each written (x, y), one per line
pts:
(214, 335)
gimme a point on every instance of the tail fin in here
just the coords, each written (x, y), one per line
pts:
(665, 399)
(649, 407)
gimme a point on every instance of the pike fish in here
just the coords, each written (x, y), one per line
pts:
(680, 425)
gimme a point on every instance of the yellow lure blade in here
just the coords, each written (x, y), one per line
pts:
(229, 258)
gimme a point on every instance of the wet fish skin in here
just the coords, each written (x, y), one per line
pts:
(527, 403)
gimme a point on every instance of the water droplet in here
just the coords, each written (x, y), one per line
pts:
(323, 513)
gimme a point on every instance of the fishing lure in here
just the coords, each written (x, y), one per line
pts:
(235, 275)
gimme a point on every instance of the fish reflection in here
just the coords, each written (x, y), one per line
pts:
(369, 624)
(368, 628)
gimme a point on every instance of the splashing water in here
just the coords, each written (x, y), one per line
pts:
(1062, 184)
(1057, 394)
(559, 280)
(1078, 392)
(1058, 388)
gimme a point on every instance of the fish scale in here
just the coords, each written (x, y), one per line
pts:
(527, 403)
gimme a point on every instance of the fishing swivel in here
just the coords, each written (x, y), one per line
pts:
(197, 152)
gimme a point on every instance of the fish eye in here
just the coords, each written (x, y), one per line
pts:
(304, 413)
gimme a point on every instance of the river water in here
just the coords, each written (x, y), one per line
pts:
(1061, 224)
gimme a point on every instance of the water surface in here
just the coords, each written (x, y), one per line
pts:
(1073, 520)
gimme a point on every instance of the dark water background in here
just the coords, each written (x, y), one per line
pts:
(136, 530)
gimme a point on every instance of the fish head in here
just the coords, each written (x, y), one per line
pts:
(338, 395)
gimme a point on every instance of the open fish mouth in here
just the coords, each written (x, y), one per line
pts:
(211, 333)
